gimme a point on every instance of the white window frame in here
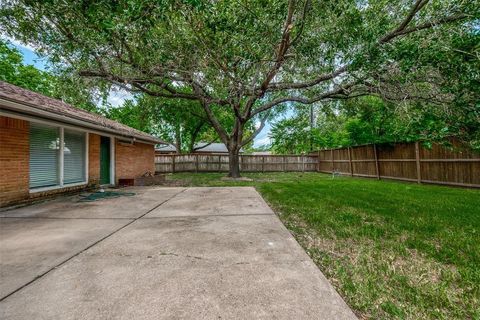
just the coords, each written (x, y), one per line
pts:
(58, 124)
(112, 160)
(60, 166)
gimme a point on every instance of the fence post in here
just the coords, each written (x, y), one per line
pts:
(318, 161)
(333, 164)
(350, 160)
(417, 159)
(185, 162)
(376, 161)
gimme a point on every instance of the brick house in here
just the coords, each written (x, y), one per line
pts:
(49, 147)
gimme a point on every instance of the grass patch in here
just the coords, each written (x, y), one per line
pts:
(393, 250)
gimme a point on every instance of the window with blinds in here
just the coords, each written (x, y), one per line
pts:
(47, 158)
(73, 156)
(44, 155)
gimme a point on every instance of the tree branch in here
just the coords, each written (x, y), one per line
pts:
(263, 121)
(432, 24)
(301, 85)
(306, 6)
(399, 31)
(204, 146)
(419, 4)
(211, 116)
(280, 58)
(403, 30)
(330, 94)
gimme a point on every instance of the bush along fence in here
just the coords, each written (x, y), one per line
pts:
(405, 161)
(248, 163)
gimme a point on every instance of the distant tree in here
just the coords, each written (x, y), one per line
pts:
(181, 122)
(14, 71)
(248, 57)
(370, 120)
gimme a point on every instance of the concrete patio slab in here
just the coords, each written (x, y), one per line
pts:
(129, 207)
(206, 264)
(30, 247)
(213, 201)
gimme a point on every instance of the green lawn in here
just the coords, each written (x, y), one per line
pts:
(393, 250)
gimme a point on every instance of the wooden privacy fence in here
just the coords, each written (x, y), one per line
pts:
(405, 161)
(248, 163)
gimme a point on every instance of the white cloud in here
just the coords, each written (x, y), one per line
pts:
(118, 96)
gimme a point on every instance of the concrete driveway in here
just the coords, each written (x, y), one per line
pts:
(164, 253)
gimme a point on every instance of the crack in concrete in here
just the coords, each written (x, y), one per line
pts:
(178, 255)
(88, 247)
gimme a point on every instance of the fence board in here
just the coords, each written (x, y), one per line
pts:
(248, 163)
(439, 165)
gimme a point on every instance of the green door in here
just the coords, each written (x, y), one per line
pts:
(104, 160)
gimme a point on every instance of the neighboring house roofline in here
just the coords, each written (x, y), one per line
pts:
(199, 147)
(166, 147)
(211, 147)
(19, 102)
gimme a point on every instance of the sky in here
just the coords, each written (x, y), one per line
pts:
(116, 97)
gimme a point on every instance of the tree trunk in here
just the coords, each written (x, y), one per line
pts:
(178, 140)
(234, 163)
(233, 141)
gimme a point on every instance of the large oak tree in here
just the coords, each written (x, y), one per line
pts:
(247, 56)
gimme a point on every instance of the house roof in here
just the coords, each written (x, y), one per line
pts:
(200, 147)
(42, 106)
(166, 148)
(262, 153)
(211, 148)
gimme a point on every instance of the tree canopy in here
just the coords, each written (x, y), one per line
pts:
(366, 120)
(64, 86)
(248, 56)
(181, 122)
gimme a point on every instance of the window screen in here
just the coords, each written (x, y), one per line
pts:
(44, 155)
(73, 156)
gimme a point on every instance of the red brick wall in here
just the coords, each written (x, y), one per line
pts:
(132, 161)
(93, 159)
(42, 195)
(14, 163)
(14, 160)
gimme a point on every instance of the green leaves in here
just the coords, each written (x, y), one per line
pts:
(13, 70)
(370, 120)
(229, 53)
(60, 85)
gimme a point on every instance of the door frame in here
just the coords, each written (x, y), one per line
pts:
(112, 159)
